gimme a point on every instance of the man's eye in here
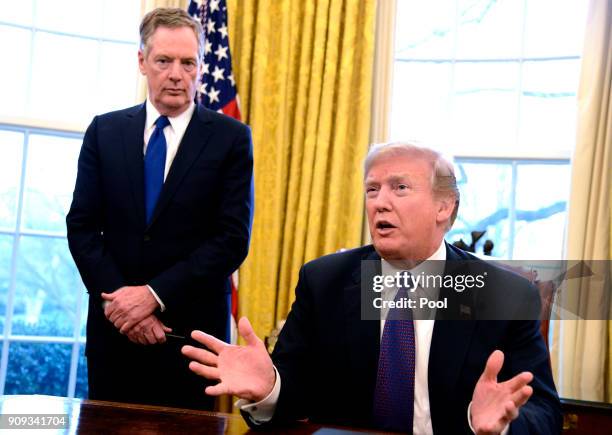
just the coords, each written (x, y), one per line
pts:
(189, 65)
(402, 187)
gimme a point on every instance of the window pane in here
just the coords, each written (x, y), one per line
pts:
(424, 30)
(16, 12)
(15, 45)
(64, 73)
(485, 190)
(485, 102)
(554, 27)
(80, 17)
(489, 29)
(50, 177)
(81, 387)
(121, 20)
(6, 251)
(48, 285)
(541, 201)
(119, 74)
(38, 368)
(11, 151)
(548, 105)
(419, 105)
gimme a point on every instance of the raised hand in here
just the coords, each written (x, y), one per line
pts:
(494, 404)
(243, 371)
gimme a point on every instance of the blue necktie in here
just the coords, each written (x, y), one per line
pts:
(394, 393)
(154, 165)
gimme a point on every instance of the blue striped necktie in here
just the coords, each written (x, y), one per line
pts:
(155, 165)
(394, 393)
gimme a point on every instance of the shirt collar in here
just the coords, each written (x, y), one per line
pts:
(177, 122)
(439, 254)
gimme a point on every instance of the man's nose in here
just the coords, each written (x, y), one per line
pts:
(175, 71)
(382, 201)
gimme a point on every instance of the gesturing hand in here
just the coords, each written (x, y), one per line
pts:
(128, 306)
(243, 371)
(494, 404)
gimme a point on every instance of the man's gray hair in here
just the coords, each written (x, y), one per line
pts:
(171, 18)
(443, 182)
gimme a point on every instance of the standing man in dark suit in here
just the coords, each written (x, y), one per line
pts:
(402, 372)
(161, 217)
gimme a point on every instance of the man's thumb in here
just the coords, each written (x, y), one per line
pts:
(494, 365)
(246, 331)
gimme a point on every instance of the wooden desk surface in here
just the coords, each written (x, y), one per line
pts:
(94, 417)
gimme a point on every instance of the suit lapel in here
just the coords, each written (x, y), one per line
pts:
(363, 335)
(133, 145)
(193, 142)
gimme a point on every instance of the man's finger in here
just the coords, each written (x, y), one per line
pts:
(520, 397)
(150, 337)
(511, 412)
(209, 341)
(493, 366)
(114, 315)
(518, 382)
(125, 328)
(200, 355)
(107, 296)
(119, 324)
(203, 370)
(158, 332)
(108, 309)
(246, 331)
(217, 390)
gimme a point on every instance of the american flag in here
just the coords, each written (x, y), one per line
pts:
(218, 87)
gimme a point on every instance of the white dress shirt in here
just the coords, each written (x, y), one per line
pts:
(174, 135)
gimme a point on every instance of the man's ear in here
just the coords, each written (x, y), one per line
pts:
(446, 206)
(141, 59)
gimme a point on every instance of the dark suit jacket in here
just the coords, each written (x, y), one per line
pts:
(199, 233)
(327, 356)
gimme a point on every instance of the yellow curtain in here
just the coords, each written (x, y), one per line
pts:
(581, 348)
(304, 75)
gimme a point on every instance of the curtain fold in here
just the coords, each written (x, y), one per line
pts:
(304, 74)
(581, 348)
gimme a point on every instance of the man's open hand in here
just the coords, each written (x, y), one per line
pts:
(243, 371)
(494, 404)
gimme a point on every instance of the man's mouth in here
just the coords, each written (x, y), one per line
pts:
(384, 227)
